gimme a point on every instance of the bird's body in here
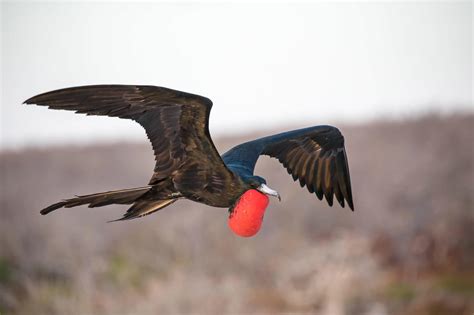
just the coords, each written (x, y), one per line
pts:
(187, 163)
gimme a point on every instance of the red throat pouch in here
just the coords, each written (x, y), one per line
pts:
(247, 215)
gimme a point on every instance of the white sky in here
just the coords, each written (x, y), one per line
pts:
(263, 65)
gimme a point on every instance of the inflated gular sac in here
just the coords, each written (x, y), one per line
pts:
(246, 217)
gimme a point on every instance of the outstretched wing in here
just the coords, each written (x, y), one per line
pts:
(315, 156)
(177, 124)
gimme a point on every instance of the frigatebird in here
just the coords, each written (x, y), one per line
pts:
(188, 164)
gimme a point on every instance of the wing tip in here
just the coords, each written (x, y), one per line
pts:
(119, 219)
(351, 205)
(37, 98)
(330, 200)
(28, 101)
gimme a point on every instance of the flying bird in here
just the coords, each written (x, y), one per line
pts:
(188, 164)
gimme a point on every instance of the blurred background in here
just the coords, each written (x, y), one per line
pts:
(395, 78)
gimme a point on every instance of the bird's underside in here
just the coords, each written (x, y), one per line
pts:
(187, 162)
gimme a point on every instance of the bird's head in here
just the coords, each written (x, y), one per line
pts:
(260, 184)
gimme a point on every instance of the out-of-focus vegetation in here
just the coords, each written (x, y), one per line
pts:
(407, 249)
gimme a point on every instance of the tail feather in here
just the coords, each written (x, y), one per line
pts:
(143, 208)
(124, 196)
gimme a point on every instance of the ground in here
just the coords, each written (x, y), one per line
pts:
(407, 249)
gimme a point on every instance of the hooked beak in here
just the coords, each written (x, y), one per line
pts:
(267, 190)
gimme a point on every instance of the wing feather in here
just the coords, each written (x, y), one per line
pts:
(310, 172)
(319, 178)
(176, 123)
(315, 156)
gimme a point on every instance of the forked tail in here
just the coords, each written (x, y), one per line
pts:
(125, 196)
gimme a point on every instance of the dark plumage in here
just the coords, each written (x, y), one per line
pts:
(187, 162)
